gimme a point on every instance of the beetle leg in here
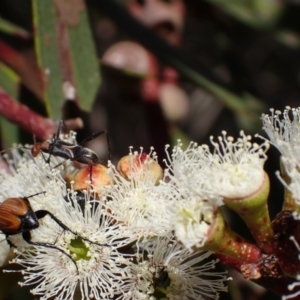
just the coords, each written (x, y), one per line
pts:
(55, 139)
(42, 213)
(46, 160)
(59, 127)
(50, 153)
(27, 237)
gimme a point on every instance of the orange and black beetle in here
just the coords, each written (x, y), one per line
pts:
(17, 216)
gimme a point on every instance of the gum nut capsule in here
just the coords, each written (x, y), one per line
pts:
(128, 56)
(174, 102)
(93, 176)
(140, 165)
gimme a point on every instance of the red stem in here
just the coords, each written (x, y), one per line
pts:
(41, 127)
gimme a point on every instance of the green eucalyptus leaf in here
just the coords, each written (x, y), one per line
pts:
(10, 83)
(85, 64)
(46, 43)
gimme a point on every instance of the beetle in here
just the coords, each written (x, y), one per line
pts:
(161, 278)
(74, 152)
(17, 216)
(67, 150)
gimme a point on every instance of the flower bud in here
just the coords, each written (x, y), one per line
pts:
(140, 166)
(92, 176)
(253, 209)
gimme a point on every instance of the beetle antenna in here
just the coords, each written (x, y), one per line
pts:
(44, 192)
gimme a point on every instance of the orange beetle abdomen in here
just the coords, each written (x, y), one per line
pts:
(16, 216)
(9, 223)
(14, 206)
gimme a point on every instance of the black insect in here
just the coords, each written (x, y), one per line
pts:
(67, 150)
(74, 152)
(79, 197)
(161, 278)
(17, 216)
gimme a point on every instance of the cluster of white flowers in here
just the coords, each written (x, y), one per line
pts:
(134, 238)
(119, 245)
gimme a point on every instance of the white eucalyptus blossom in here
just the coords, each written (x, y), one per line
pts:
(138, 202)
(187, 171)
(165, 270)
(100, 269)
(192, 220)
(283, 130)
(234, 169)
(237, 170)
